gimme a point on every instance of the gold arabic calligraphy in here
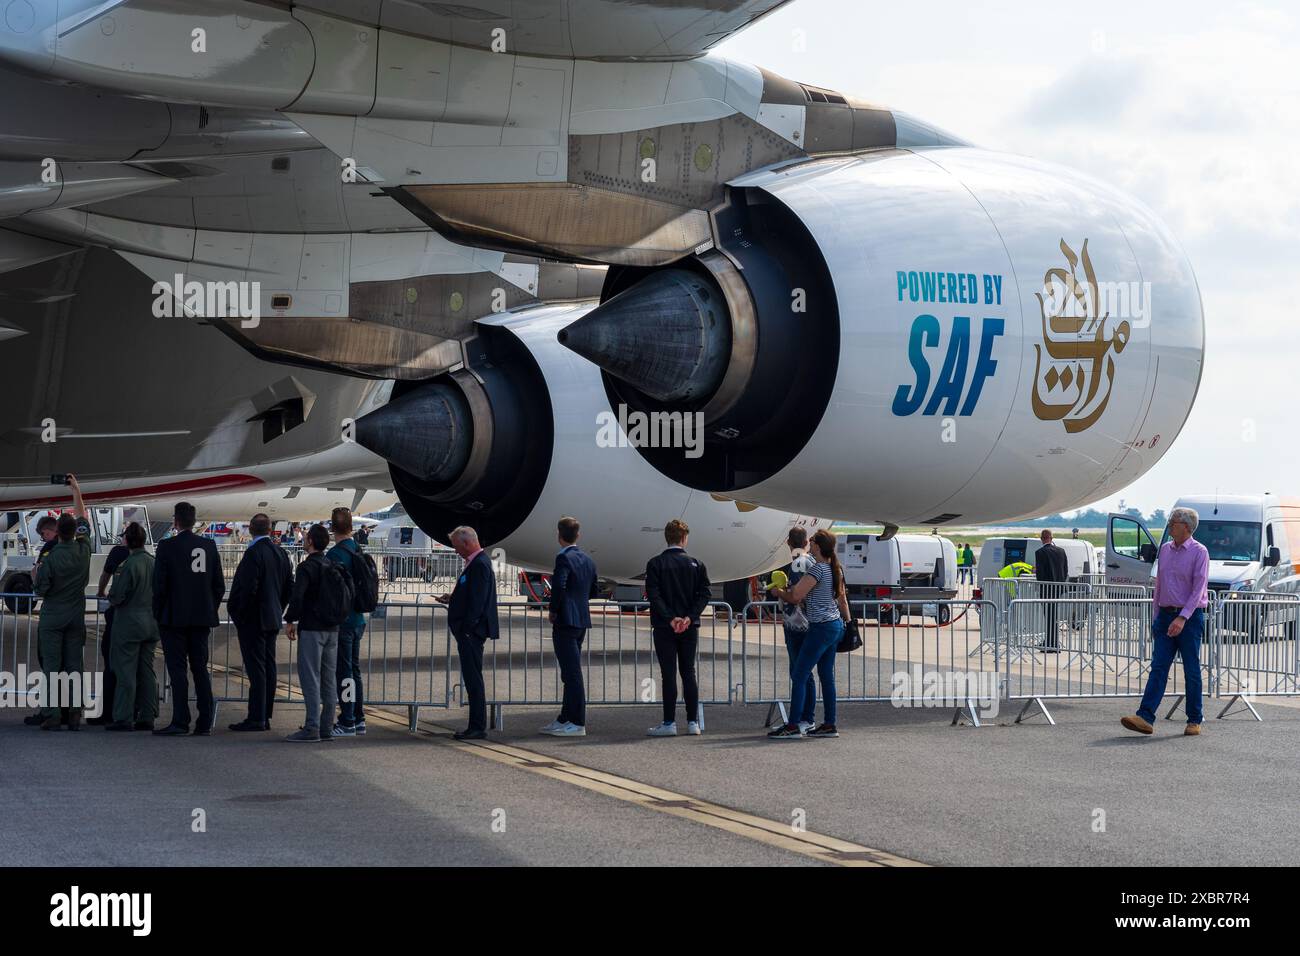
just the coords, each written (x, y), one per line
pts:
(1077, 344)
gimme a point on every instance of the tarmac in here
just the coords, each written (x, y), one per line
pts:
(900, 785)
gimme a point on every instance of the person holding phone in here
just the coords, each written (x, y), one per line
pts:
(61, 579)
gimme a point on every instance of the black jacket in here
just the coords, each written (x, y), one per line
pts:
(572, 585)
(1050, 564)
(262, 586)
(305, 599)
(472, 610)
(187, 581)
(677, 585)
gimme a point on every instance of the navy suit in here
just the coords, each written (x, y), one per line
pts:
(258, 597)
(573, 584)
(472, 617)
(187, 590)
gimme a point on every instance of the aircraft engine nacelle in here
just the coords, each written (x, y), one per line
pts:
(520, 438)
(912, 338)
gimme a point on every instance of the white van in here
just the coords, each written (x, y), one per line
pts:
(1248, 536)
(921, 568)
(20, 544)
(997, 553)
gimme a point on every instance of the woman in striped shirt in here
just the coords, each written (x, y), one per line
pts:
(822, 591)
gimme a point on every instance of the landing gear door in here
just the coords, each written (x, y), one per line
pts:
(1130, 551)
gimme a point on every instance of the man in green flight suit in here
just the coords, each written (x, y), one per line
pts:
(135, 637)
(61, 580)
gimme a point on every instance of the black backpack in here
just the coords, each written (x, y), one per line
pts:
(334, 594)
(365, 582)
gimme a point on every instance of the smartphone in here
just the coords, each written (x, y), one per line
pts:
(59, 480)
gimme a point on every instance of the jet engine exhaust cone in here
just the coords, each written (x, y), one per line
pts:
(668, 336)
(427, 432)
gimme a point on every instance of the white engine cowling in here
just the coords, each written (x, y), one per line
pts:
(919, 338)
(515, 446)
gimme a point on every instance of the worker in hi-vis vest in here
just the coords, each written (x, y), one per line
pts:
(1016, 569)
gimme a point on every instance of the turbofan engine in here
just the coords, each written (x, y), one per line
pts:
(912, 337)
(520, 437)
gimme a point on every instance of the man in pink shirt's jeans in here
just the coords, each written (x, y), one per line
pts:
(1180, 600)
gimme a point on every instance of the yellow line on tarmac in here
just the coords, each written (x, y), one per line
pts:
(784, 836)
(826, 849)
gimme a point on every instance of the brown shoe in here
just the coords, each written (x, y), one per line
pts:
(1193, 730)
(1136, 723)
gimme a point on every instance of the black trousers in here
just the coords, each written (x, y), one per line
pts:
(110, 679)
(676, 652)
(257, 647)
(186, 648)
(471, 678)
(568, 654)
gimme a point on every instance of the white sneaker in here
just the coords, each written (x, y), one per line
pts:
(693, 728)
(552, 727)
(805, 726)
(666, 729)
(569, 730)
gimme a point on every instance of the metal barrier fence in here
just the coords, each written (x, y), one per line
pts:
(401, 572)
(1037, 649)
(1255, 647)
(898, 661)
(618, 658)
(1079, 647)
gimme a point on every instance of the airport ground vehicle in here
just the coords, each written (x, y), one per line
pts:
(914, 569)
(997, 553)
(1249, 538)
(19, 545)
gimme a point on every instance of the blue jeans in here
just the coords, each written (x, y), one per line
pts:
(794, 641)
(818, 652)
(1187, 644)
(349, 667)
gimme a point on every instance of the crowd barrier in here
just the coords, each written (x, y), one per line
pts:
(898, 661)
(403, 573)
(1048, 642)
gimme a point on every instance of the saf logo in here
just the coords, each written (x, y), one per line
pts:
(951, 382)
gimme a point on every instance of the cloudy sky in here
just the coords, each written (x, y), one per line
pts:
(1194, 107)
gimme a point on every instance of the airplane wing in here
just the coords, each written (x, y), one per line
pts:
(579, 29)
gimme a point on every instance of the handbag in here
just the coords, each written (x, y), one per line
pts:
(794, 618)
(851, 640)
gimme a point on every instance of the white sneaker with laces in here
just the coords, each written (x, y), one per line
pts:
(805, 726)
(569, 730)
(693, 728)
(666, 729)
(552, 727)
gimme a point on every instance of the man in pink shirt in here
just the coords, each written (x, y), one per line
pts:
(1180, 600)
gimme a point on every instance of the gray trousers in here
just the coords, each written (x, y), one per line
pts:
(317, 659)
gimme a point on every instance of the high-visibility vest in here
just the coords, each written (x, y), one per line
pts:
(1015, 569)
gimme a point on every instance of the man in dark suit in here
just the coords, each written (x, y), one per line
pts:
(258, 596)
(1051, 566)
(187, 590)
(472, 617)
(573, 584)
(677, 587)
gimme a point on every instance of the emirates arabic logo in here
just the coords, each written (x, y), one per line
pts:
(1070, 390)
